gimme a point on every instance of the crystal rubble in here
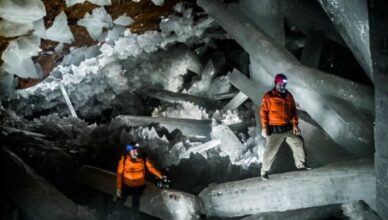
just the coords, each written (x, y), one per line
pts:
(337, 183)
(34, 195)
(181, 110)
(176, 63)
(79, 81)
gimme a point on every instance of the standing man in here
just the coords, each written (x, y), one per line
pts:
(131, 172)
(279, 122)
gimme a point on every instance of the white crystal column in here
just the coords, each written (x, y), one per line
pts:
(68, 102)
(351, 20)
(332, 184)
(378, 35)
(275, 58)
(335, 103)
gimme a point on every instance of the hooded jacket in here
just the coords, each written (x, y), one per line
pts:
(132, 171)
(278, 109)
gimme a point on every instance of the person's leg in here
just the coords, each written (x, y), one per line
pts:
(271, 149)
(296, 144)
(137, 192)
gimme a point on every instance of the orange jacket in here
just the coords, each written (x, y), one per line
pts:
(276, 110)
(132, 171)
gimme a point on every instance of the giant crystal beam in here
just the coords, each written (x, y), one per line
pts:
(348, 127)
(33, 195)
(378, 35)
(237, 100)
(352, 22)
(165, 204)
(314, 213)
(313, 48)
(332, 184)
(275, 58)
(265, 14)
(296, 12)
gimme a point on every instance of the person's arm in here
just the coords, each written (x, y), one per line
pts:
(264, 110)
(119, 176)
(294, 118)
(152, 169)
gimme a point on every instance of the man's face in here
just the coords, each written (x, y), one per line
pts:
(280, 87)
(134, 153)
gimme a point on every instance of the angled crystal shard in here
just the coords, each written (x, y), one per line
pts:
(60, 31)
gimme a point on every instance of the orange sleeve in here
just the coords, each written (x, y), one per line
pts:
(152, 169)
(264, 110)
(119, 176)
(294, 118)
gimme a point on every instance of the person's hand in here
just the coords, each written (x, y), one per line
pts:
(264, 133)
(119, 193)
(296, 130)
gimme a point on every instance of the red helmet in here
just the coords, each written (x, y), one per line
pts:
(280, 78)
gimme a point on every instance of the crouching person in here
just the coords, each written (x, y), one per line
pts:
(131, 172)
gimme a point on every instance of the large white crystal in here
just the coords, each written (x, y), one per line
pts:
(114, 34)
(70, 3)
(17, 56)
(39, 28)
(22, 11)
(60, 31)
(12, 29)
(201, 87)
(158, 2)
(123, 20)
(101, 2)
(230, 144)
(95, 22)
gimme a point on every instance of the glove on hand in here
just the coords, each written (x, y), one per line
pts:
(119, 193)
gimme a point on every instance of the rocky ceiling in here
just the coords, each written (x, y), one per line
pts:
(145, 13)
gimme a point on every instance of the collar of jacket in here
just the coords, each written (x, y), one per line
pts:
(282, 95)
